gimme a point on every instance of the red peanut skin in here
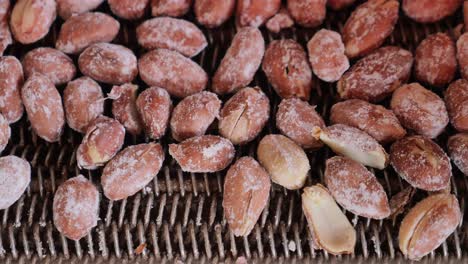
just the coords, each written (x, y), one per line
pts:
(11, 81)
(213, 13)
(254, 13)
(155, 107)
(128, 9)
(428, 11)
(308, 13)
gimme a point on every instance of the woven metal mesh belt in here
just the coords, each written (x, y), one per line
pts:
(179, 216)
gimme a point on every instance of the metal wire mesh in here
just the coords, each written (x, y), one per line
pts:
(179, 215)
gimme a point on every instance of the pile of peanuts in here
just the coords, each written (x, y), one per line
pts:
(359, 131)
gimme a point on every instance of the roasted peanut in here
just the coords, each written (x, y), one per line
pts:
(52, 63)
(124, 107)
(108, 63)
(254, 13)
(171, 33)
(458, 149)
(174, 8)
(31, 19)
(83, 101)
(5, 34)
(280, 21)
(44, 107)
(375, 120)
(81, 31)
(420, 110)
(400, 200)
(330, 229)
(15, 176)
(241, 61)
(435, 61)
(462, 53)
(421, 162)
(244, 115)
(428, 11)
(103, 139)
(377, 75)
(369, 25)
(194, 114)
(456, 100)
(354, 144)
(355, 188)
(203, 153)
(67, 8)
(286, 67)
(308, 13)
(428, 224)
(5, 132)
(326, 55)
(284, 160)
(246, 191)
(128, 9)
(296, 119)
(154, 105)
(131, 170)
(179, 75)
(213, 13)
(76, 207)
(11, 81)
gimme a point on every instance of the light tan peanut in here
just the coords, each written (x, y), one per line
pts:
(241, 61)
(44, 107)
(244, 115)
(103, 139)
(76, 207)
(355, 188)
(67, 8)
(194, 114)
(296, 119)
(280, 21)
(428, 224)
(108, 63)
(369, 25)
(131, 170)
(326, 55)
(370, 80)
(375, 120)
(458, 149)
(253, 13)
(308, 13)
(168, 69)
(354, 144)
(286, 67)
(421, 162)
(435, 60)
(284, 160)
(52, 63)
(213, 13)
(420, 110)
(15, 176)
(339, 4)
(154, 105)
(128, 9)
(206, 153)
(171, 33)
(11, 81)
(124, 107)
(462, 53)
(246, 191)
(83, 101)
(428, 11)
(174, 8)
(31, 19)
(5, 34)
(330, 229)
(81, 31)
(456, 100)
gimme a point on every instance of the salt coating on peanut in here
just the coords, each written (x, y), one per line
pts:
(15, 176)
(124, 107)
(213, 13)
(11, 81)
(254, 13)
(307, 13)
(155, 107)
(67, 8)
(456, 100)
(172, 8)
(326, 55)
(128, 9)
(458, 149)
